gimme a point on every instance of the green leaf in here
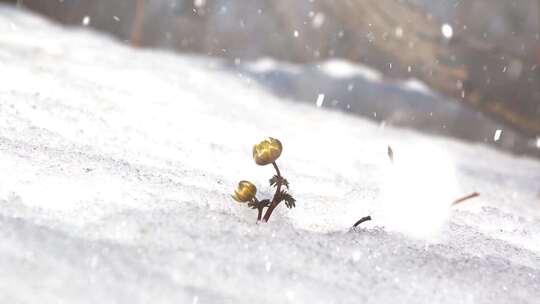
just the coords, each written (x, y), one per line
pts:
(290, 202)
(285, 183)
(275, 179)
(252, 205)
(259, 204)
(264, 203)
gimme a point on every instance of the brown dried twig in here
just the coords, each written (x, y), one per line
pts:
(465, 198)
(360, 221)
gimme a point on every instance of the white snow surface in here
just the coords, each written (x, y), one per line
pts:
(341, 68)
(118, 164)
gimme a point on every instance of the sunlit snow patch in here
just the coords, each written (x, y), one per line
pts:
(417, 86)
(56, 193)
(418, 189)
(268, 65)
(341, 68)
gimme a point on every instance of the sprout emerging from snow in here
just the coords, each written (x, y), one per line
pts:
(264, 153)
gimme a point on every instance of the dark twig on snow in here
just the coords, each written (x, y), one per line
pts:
(360, 221)
(468, 197)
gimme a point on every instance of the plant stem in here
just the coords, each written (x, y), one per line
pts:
(259, 215)
(275, 201)
(259, 208)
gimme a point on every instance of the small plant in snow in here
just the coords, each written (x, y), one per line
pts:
(265, 153)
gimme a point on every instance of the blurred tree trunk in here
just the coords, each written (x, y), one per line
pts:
(135, 37)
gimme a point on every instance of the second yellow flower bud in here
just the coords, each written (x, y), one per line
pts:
(246, 192)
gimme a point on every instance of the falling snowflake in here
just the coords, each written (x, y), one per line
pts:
(447, 31)
(86, 20)
(320, 100)
(497, 135)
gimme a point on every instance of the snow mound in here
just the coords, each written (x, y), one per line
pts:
(118, 164)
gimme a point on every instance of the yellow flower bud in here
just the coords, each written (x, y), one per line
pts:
(267, 151)
(246, 192)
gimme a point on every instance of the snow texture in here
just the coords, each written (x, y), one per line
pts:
(117, 168)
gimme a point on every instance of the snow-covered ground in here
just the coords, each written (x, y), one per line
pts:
(117, 167)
